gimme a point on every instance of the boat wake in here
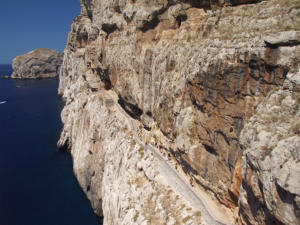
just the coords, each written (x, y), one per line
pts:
(2, 102)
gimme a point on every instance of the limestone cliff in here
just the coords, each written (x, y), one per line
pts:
(39, 63)
(212, 86)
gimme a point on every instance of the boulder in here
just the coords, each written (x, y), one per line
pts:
(39, 63)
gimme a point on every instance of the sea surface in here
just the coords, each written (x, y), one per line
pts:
(37, 184)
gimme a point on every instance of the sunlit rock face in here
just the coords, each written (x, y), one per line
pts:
(39, 63)
(218, 79)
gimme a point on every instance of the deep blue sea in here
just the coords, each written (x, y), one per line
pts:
(37, 184)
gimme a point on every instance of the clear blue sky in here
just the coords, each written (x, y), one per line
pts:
(29, 24)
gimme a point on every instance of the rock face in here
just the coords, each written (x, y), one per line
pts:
(215, 84)
(271, 161)
(39, 63)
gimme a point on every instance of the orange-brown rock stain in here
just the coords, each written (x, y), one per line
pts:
(234, 191)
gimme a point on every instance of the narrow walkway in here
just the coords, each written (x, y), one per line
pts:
(175, 179)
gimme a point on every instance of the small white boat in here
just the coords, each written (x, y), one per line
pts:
(2, 102)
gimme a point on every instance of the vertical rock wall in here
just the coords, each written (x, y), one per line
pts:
(199, 76)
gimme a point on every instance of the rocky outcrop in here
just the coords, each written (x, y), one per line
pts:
(271, 162)
(200, 79)
(122, 180)
(39, 63)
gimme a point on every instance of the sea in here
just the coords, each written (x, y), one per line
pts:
(37, 184)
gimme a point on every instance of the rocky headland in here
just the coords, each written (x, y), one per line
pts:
(185, 112)
(39, 63)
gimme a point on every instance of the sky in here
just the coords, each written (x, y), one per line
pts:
(26, 25)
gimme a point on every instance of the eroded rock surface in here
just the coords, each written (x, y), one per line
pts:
(271, 162)
(39, 63)
(201, 77)
(118, 175)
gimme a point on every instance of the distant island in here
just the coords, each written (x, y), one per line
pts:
(39, 63)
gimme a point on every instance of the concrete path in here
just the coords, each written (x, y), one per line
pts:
(175, 179)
